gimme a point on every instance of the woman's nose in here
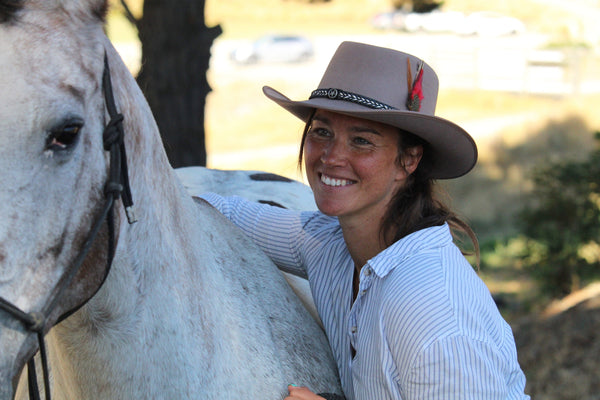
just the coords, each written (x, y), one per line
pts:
(334, 153)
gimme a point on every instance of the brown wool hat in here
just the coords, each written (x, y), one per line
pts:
(373, 83)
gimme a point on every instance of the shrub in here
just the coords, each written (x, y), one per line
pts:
(562, 223)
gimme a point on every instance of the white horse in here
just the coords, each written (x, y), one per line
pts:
(190, 308)
(261, 187)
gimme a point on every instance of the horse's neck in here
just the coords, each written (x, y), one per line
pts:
(147, 294)
(164, 209)
(157, 261)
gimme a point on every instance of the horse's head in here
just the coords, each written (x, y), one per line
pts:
(54, 166)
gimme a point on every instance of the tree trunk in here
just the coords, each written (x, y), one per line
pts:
(175, 58)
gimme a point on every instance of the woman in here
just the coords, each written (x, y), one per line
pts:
(405, 314)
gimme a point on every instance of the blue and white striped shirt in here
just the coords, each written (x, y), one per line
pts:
(424, 325)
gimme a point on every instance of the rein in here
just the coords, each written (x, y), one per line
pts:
(117, 185)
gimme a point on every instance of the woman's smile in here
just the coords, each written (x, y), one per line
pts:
(352, 165)
(335, 182)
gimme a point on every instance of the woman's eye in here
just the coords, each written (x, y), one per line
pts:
(64, 136)
(361, 141)
(320, 132)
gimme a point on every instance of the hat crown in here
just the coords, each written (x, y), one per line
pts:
(381, 74)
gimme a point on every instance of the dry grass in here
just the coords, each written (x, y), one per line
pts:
(559, 350)
(241, 18)
(244, 19)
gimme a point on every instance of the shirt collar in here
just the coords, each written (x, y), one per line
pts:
(428, 238)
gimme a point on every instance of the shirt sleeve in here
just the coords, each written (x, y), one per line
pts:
(458, 367)
(277, 231)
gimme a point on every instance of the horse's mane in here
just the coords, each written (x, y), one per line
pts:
(8, 9)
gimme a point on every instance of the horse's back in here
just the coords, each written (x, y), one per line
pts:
(253, 185)
(260, 187)
(265, 316)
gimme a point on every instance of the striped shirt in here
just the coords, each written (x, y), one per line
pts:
(423, 326)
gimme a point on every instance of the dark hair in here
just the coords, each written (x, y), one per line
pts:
(417, 204)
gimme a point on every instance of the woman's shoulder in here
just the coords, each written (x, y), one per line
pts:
(416, 259)
(438, 290)
(415, 288)
(422, 273)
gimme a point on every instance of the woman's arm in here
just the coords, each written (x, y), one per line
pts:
(277, 231)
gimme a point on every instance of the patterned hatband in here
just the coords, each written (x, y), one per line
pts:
(338, 94)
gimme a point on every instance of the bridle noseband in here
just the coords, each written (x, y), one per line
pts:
(117, 185)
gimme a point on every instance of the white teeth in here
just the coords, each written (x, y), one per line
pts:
(334, 182)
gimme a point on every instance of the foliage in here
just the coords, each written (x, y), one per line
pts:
(492, 195)
(562, 223)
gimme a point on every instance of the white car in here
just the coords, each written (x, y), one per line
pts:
(434, 21)
(488, 23)
(388, 20)
(274, 48)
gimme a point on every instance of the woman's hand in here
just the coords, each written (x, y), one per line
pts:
(301, 393)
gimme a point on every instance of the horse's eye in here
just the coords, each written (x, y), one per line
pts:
(64, 136)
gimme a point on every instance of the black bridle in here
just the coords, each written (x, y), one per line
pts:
(117, 185)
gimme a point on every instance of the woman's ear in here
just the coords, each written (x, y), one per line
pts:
(411, 158)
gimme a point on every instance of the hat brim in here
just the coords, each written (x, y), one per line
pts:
(454, 150)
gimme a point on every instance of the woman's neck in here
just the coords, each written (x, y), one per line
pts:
(364, 241)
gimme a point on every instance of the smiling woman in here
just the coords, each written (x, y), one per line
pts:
(402, 307)
(351, 165)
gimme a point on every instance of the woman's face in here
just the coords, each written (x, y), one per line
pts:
(352, 165)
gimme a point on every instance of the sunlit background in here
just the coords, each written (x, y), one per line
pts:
(522, 76)
(493, 83)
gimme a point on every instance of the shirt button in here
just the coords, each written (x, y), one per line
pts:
(367, 271)
(353, 329)
(363, 292)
